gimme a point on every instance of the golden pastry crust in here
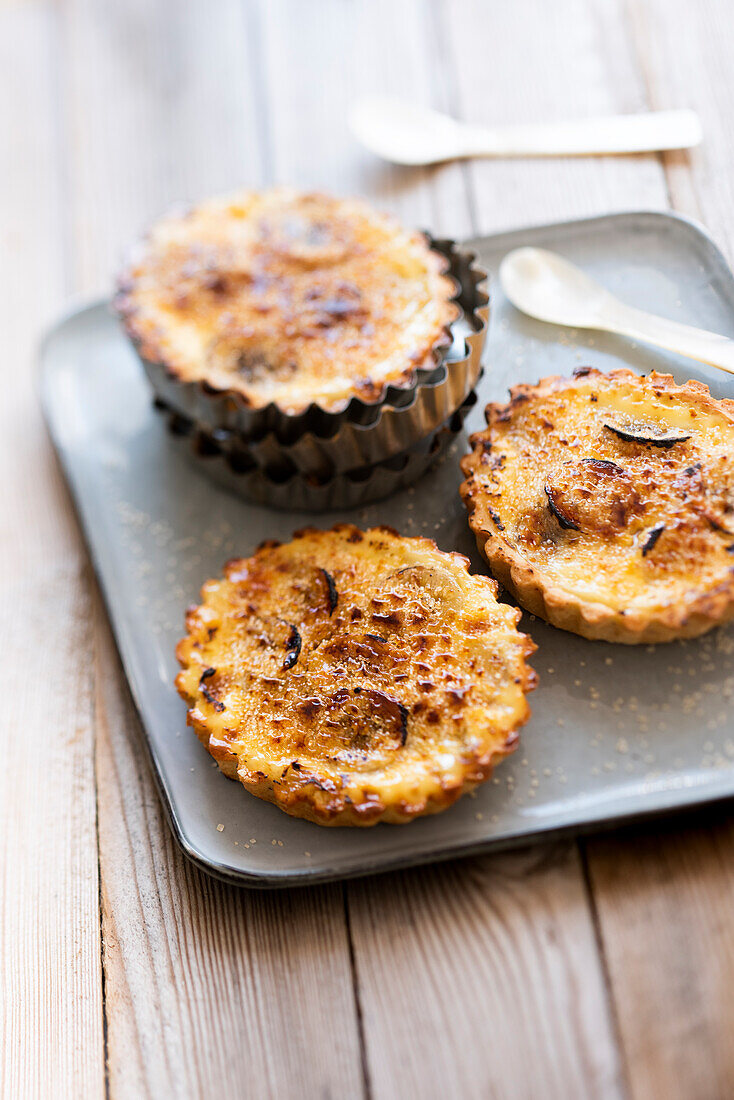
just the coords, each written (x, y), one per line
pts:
(288, 298)
(355, 676)
(605, 504)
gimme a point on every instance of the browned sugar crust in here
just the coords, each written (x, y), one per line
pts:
(352, 677)
(605, 503)
(288, 298)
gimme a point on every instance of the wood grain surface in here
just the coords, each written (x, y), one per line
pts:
(51, 1041)
(601, 969)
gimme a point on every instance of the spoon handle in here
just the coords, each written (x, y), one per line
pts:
(696, 343)
(651, 132)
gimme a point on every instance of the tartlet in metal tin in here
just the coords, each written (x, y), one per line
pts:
(605, 504)
(317, 441)
(285, 304)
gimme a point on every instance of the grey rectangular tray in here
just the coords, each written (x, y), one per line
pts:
(616, 732)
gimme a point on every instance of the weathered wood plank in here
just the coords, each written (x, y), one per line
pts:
(208, 990)
(164, 106)
(664, 894)
(316, 63)
(482, 979)
(51, 1025)
(525, 62)
(664, 897)
(685, 52)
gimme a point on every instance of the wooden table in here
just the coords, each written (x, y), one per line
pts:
(600, 968)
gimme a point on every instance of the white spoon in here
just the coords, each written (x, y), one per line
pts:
(550, 288)
(408, 134)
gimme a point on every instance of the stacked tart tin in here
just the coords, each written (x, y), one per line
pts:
(308, 351)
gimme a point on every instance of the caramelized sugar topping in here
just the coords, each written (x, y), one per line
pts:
(288, 298)
(354, 669)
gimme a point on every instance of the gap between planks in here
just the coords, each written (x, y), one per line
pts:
(50, 974)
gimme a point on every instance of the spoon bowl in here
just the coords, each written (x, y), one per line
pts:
(550, 288)
(405, 133)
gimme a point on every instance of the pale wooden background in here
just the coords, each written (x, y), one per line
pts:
(596, 969)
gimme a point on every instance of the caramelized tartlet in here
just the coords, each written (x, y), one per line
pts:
(288, 299)
(352, 676)
(605, 504)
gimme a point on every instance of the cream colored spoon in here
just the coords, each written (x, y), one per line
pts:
(407, 134)
(551, 289)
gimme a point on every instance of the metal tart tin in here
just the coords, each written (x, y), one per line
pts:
(285, 489)
(324, 443)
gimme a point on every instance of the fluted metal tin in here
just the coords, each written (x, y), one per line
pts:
(321, 443)
(226, 463)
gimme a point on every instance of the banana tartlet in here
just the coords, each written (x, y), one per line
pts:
(605, 504)
(352, 676)
(288, 299)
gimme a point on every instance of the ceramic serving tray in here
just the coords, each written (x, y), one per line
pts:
(616, 732)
